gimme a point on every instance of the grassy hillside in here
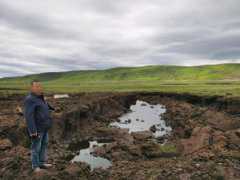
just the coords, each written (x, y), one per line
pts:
(213, 79)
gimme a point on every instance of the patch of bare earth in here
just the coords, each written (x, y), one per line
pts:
(204, 142)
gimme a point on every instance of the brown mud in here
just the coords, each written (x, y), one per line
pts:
(204, 142)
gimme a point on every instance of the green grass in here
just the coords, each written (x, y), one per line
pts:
(220, 79)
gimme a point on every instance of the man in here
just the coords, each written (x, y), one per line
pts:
(37, 115)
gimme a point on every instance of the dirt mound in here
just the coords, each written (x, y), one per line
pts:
(203, 144)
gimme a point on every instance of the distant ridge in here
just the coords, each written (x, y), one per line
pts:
(155, 72)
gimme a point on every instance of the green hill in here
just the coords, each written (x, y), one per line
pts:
(125, 78)
(160, 72)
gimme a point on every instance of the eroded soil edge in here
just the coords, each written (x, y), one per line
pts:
(204, 143)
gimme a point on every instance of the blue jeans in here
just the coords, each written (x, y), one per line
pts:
(39, 149)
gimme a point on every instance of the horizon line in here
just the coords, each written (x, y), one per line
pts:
(214, 64)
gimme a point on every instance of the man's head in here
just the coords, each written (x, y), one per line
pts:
(36, 87)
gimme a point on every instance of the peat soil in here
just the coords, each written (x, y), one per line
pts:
(204, 142)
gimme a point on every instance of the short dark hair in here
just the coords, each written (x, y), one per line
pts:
(34, 81)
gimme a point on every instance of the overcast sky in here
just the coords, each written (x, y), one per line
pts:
(61, 35)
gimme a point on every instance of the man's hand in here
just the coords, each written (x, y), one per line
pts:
(34, 135)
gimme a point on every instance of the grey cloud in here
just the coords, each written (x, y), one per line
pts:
(61, 35)
(229, 54)
(32, 23)
(207, 47)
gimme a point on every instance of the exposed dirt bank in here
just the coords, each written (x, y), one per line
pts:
(204, 143)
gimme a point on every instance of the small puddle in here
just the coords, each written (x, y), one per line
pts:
(85, 155)
(142, 117)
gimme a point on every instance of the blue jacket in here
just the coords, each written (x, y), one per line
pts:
(37, 113)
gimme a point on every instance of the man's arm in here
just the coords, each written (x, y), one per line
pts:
(50, 107)
(29, 107)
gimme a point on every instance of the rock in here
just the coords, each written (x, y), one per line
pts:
(5, 144)
(219, 120)
(218, 140)
(128, 121)
(19, 110)
(161, 139)
(106, 132)
(43, 175)
(197, 165)
(135, 150)
(142, 135)
(122, 137)
(77, 169)
(218, 137)
(206, 155)
(83, 108)
(118, 156)
(228, 173)
(59, 96)
(185, 176)
(233, 139)
(153, 128)
(219, 173)
(100, 174)
(68, 156)
(199, 139)
(102, 150)
(153, 150)
(237, 131)
(77, 144)
(58, 110)
(180, 132)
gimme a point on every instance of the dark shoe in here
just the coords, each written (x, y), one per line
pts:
(38, 170)
(46, 166)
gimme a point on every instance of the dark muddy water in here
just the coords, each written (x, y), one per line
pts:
(142, 117)
(94, 162)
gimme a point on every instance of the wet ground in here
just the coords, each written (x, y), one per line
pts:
(144, 117)
(85, 155)
(128, 136)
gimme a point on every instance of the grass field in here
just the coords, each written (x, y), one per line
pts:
(206, 80)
